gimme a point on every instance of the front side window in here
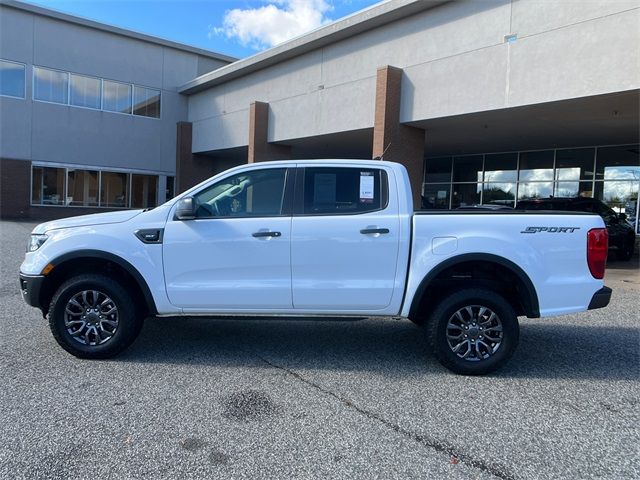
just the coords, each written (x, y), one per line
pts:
(342, 190)
(85, 91)
(50, 85)
(258, 193)
(116, 96)
(146, 102)
(12, 79)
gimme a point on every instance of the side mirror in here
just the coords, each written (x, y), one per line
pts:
(622, 216)
(186, 209)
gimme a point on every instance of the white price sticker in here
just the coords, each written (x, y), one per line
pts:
(366, 187)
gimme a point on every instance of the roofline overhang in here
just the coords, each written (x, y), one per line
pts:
(359, 22)
(85, 22)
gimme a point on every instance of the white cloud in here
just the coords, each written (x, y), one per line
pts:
(274, 23)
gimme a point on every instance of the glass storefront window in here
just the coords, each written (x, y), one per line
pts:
(436, 196)
(465, 194)
(499, 193)
(146, 102)
(47, 186)
(467, 169)
(144, 191)
(437, 170)
(85, 91)
(536, 166)
(169, 192)
(82, 188)
(618, 163)
(575, 164)
(528, 190)
(114, 190)
(574, 189)
(621, 196)
(501, 167)
(50, 85)
(116, 96)
(12, 80)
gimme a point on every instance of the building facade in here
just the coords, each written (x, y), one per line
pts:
(483, 102)
(88, 113)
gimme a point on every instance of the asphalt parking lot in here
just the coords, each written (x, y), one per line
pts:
(203, 398)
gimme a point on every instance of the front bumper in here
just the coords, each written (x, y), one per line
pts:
(600, 299)
(30, 286)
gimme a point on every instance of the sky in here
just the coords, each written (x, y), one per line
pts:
(238, 28)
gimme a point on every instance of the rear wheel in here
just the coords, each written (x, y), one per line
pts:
(473, 331)
(93, 316)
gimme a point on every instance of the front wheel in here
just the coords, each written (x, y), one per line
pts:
(93, 316)
(473, 331)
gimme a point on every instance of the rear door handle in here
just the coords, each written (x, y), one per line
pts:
(266, 234)
(367, 231)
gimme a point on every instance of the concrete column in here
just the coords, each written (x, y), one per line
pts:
(190, 169)
(392, 140)
(260, 150)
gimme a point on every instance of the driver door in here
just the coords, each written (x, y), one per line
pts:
(235, 255)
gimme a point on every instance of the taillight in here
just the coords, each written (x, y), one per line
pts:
(597, 248)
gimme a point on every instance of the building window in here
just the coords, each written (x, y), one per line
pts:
(499, 193)
(47, 186)
(146, 102)
(170, 190)
(50, 85)
(85, 91)
(114, 189)
(82, 186)
(438, 170)
(116, 96)
(144, 191)
(436, 196)
(12, 80)
(501, 167)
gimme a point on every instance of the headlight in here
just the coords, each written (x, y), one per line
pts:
(35, 242)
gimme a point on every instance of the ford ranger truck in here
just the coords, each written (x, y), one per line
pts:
(333, 238)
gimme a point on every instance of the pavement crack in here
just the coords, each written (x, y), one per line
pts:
(495, 469)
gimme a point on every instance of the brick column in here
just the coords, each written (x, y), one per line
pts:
(399, 143)
(190, 169)
(260, 150)
(15, 194)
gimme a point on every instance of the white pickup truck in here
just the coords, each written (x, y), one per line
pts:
(326, 238)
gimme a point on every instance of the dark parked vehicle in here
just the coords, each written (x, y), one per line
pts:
(485, 206)
(622, 238)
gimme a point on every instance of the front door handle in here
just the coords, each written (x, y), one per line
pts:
(266, 234)
(367, 231)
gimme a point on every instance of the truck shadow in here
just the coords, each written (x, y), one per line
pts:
(385, 347)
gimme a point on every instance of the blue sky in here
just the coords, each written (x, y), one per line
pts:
(234, 27)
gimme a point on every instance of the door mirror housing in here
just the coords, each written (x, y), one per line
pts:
(622, 216)
(186, 209)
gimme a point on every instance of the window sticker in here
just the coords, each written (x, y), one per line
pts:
(324, 189)
(366, 187)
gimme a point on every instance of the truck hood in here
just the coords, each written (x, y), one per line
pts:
(87, 220)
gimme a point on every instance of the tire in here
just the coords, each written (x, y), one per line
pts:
(465, 308)
(111, 324)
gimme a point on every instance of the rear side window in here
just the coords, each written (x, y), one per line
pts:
(344, 190)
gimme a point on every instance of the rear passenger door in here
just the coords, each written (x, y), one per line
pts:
(344, 239)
